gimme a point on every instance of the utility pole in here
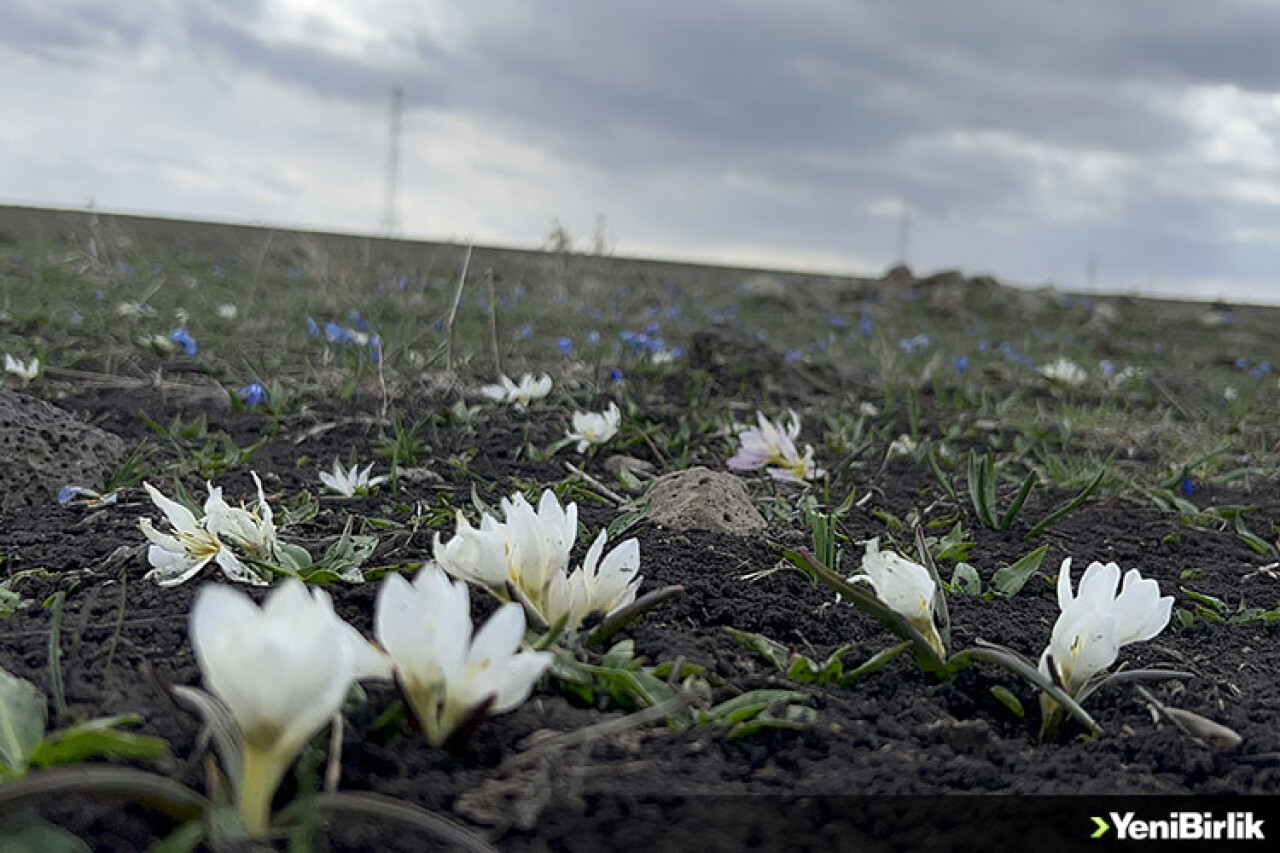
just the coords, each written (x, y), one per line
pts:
(393, 163)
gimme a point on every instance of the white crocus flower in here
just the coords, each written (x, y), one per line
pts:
(768, 445)
(252, 532)
(282, 670)
(445, 673)
(348, 483)
(1064, 371)
(905, 587)
(177, 556)
(525, 558)
(26, 371)
(594, 428)
(1096, 622)
(521, 395)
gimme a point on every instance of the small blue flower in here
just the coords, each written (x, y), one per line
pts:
(565, 345)
(313, 328)
(358, 320)
(615, 375)
(375, 348)
(1188, 486)
(99, 294)
(1242, 363)
(1108, 368)
(334, 333)
(182, 338)
(439, 326)
(593, 337)
(252, 394)
(864, 328)
(525, 332)
(792, 356)
(961, 364)
(654, 328)
(838, 322)
(984, 345)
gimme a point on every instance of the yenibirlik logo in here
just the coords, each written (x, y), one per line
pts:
(1182, 826)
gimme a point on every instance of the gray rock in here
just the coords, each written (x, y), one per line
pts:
(701, 499)
(43, 448)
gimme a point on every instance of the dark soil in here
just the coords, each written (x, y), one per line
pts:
(896, 732)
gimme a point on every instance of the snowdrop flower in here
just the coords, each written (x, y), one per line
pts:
(526, 559)
(1065, 372)
(446, 674)
(26, 371)
(1096, 622)
(224, 535)
(905, 587)
(592, 428)
(282, 670)
(521, 395)
(769, 446)
(348, 483)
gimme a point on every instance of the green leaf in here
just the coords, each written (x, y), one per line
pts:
(1010, 701)
(771, 650)
(1070, 505)
(1006, 520)
(1216, 605)
(22, 721)
(1009, 580)
(965, 579)
(1256, 543)
(99, 738)
(625, 522)
(747, 705)
(873, 663)
(793, 718)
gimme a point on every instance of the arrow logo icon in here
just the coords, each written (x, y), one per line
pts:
(1102, 825)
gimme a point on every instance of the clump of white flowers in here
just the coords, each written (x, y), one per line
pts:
(772, 447)
(349, 482)
(521, 395)
(1065, 372)
(593, 429)
(525, 558)
(447, 675)
(225, 535)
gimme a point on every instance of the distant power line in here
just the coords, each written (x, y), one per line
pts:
(393, 163)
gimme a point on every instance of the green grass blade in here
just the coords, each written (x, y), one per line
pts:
(1006, 520)
(1053, 517)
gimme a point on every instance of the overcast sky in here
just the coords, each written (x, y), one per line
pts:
(1025, 137)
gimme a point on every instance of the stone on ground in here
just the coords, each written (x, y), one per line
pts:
(43, 448)
(701, 499)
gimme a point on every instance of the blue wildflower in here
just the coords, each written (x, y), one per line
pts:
(334, 333)
(313, 328)
(252, 394)
(357, 320)
(654, 328)
(593, 337)
(526, 332)
(961, 364)
(375, 348)
(99, 294)
(182, 338)
(1188, 486)
(1242, 363)
(565, 345)
(615, 375)
(792, 356)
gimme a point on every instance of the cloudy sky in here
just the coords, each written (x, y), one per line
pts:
(1031, 139)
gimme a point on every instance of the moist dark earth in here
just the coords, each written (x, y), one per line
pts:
(897, 731)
